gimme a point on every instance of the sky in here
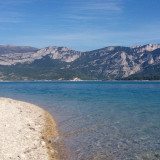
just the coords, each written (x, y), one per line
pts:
(79, 24)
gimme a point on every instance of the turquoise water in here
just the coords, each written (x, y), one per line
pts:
(99, 120)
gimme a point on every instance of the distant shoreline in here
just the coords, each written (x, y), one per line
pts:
(88, 81)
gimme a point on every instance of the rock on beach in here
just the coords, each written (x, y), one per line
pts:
(26, 132)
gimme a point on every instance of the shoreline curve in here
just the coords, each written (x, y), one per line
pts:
(27, 131)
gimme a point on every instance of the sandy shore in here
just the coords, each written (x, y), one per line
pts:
(26, 132)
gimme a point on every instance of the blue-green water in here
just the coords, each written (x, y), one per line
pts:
(99, 120)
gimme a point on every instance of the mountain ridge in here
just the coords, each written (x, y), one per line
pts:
(108, 63)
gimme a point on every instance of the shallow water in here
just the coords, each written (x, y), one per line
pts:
(99, 120)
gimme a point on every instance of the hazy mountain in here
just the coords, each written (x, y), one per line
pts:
(53, 63)
(6, 49)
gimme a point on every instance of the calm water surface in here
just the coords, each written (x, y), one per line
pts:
(99, 120)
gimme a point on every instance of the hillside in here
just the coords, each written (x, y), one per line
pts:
(61, 63)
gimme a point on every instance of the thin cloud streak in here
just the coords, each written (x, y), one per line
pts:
(110, 5)
(108, 35)
(79, 24)
(103, 6)
(96, 10)
(9, 12)
(11, 17)
(81, 17)
(89, 40)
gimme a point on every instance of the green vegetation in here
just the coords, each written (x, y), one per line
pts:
(45, 69)
(102, 64)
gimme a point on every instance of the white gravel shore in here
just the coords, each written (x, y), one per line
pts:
(26, 132)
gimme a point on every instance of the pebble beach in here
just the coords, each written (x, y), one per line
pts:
(27, 132)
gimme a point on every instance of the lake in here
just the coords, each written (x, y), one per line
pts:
(99, 120)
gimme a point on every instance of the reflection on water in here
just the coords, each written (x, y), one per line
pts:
(99, 120)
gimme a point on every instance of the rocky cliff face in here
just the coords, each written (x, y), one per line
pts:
(118, 62)
(12, 55)
(62, 53)
(106, 63)
(148, 47)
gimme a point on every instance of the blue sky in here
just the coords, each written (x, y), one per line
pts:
(79, 24)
